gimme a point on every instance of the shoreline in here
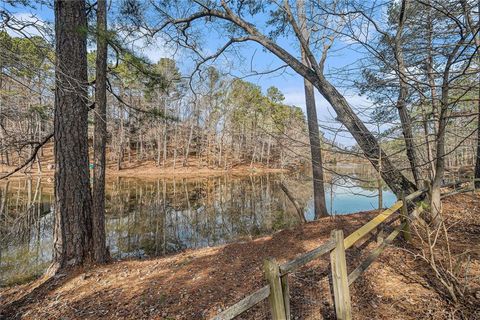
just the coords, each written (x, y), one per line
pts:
(146, 171)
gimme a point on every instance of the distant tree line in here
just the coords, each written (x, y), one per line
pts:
(151, 114)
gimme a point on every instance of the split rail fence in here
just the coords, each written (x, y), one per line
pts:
(277, 289)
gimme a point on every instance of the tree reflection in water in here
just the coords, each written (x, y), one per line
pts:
(148, 218)
(144, 218)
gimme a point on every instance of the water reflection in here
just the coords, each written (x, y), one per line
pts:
(25, 230)
(164, 216)
(157, 217)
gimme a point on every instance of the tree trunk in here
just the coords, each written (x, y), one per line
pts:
(313, 132)
(397, 182)
(295, 203)
(401, 101)
(477, 43)
(175, 134)
(477, 165)
(100, 137)
(316, 152)
(379, 184)
(428, 145)
(120, 145)
(187, 148)
(408, 135)
(164, 133)
(73, 201)
(159, 144)
(435, 200)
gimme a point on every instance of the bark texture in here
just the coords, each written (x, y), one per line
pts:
(477, 164)
(100, 137)
(402, 99)
(73, 202)
(435, 200)
(313, 131)
(316, 152)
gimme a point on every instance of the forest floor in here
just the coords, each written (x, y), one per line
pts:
(197, 284)
(147, 168)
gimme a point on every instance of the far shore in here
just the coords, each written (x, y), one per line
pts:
(149, 170)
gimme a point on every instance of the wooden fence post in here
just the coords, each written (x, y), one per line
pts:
(380, 235)
(286, 295)
(276, 298)
(341, 292)
(406, 233)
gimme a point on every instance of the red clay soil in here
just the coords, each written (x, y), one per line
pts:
(197, 284)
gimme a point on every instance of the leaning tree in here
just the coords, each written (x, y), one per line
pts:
(178, 21)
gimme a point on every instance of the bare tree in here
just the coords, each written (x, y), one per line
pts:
(435, 36)
(313, 72)
(473, 28)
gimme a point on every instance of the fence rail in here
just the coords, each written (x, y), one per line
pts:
(277, 290)
(244, 304)
(307, 257)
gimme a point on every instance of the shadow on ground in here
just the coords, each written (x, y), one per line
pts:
(197, 284)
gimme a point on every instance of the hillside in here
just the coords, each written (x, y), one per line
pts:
(142, 168)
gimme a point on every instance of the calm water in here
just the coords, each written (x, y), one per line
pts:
(157, 217)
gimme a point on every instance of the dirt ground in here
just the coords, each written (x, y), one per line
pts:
(145, 168)
(197, 284)
(148, 169)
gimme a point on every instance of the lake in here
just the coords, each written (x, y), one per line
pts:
(154, 217)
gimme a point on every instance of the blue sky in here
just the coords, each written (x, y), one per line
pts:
(247, 57)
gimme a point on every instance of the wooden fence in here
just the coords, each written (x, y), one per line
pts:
(277, 289)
